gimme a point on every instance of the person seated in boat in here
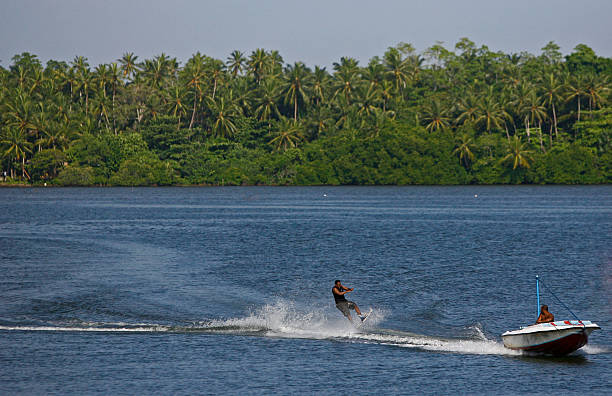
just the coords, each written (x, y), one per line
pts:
(545, 315)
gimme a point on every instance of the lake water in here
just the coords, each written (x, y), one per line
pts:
(228, 290)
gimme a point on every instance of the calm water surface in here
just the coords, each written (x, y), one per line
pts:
(228, 290)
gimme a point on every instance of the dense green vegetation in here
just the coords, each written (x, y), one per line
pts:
(464, 116)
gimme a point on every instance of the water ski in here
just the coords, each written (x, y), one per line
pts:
(365, 317)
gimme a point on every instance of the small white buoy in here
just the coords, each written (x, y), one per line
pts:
(325, 195)
(475, 195)
(45, 184)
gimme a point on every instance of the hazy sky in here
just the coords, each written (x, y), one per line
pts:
(317, 32)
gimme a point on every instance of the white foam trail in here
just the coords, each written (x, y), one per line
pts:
(595, 349)
(283, 320)
(478, 347)
(87, 329)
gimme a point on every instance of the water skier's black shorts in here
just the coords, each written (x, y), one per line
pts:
(345, 307)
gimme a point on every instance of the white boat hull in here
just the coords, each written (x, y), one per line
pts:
(556, 338)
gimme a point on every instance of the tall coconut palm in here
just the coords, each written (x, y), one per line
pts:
(491, 113)
(386, 94)
(320, 82)
(287, 134)
(373, 75)
(175, 99)
(397, 69)
(346, 79)
(85, 82)
(267, 100)
(275, 63)
(20, 112)
(551, 87)
(468, 109)
(518, 154)
(320, 119)
(258, 64)
(436, 115)
(464, 149)
(596, 89)
(101, 107)
(367, 101)
(115, 82)
(214, 71)
(195, 75)
(235, 63)
(533, 111)
(16, 147)
(243, 94)
(129, 65)
(224, 112)
(575, 88)
(296, 77)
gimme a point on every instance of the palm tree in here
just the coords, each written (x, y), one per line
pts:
(115, 81)
(85, 81)
(194, 70)
(386, 93)
(224, 111)
(267, 100)
(415, 63)
(102, 77)
(374, 74)
(490, 112)
(398, 69)
(287, 134)
(158, 71)
(100, 107)
(367, 101)
(551, 94)
(463, 148)
(518, 154)
(596, 87)
(296, 77)
(436, 115)
(21, 113)
(533, 110)
(176, 103)
(275, 63)
(320, 120)
(258, 64)
(54, 136)
(235, 63)
(575, 89)
(468, 110)
(346, 78)
(243, 94)
(320, 81)
(15, 141)
(129, 64)
(215, 70)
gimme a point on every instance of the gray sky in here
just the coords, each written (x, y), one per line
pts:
(317, 32)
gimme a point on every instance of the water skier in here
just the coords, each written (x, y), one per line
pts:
(342, 303)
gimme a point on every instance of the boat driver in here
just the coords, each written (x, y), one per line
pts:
(545, 315)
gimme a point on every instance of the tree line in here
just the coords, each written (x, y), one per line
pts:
(461, 116)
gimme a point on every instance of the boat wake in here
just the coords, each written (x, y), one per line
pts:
(283, 320)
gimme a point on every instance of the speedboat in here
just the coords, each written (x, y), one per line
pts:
(554, 338)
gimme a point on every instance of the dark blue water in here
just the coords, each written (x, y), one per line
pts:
(228, 290)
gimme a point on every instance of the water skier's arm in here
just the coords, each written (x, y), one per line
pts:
(341, 293)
